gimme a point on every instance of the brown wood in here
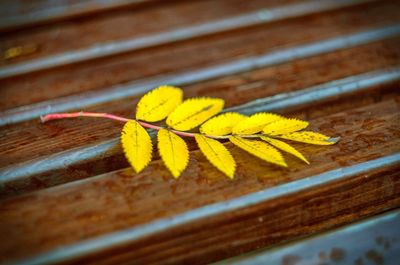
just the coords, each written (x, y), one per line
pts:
(263, 225)
(236, 90)
(369, 240)
(131, 23)
(17, 14)
(122, 199)
(73, 183)
(30, 140)
(183, 56)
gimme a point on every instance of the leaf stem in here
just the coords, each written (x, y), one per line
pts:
(57, 116)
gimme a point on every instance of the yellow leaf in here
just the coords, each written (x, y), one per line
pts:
(217, 154)
(260, 149)
(193, 112)
(285, 147)
(157, 104)
(173, 151)
(222, 124)
(255, 123)
(284, 126)
(136, 144)
(310, 138)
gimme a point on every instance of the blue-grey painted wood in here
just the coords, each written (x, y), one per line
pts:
(251, 19)
(277, 103)
(59, 9)
(319, 93)
(135, 233)
(87, 99)
(374, 241)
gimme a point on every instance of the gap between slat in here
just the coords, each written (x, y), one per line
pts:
(87, 99)
(251, 19)
(312, 95)
(141, 231)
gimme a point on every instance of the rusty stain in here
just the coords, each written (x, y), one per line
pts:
(322, 255)
(290, 260)
(375, 257)
(337, 254)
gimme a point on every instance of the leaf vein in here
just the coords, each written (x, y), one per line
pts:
(215, 153)
(172, 149)
(162, 103)
(193, 115)
(252, 147)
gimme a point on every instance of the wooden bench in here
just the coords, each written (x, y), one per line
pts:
(67, 194)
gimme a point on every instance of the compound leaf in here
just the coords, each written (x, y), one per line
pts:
(260, 149)
(222, 124)
(255, 123)
(284, 126)
(285, 147)
(137, 145)
(217, 154)
(173, 151)
(310, 138)
(193, 112)
(157, 104)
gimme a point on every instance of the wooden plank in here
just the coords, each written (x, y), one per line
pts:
(18, 14)
(133, 24)
(116, 201)
(261, 83)
(118, 92)
(221, 52)
(257, 221)
(210, 23)
(66, 192)
(374, 240)
(86, 160)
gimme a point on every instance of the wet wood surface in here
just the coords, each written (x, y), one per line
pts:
(21, 14)
(66, 182)
(370, 240)
(182, 56)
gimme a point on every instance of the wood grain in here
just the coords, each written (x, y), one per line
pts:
(235, 90)
(75, 201)
(33, 140)
(263, 225)
(119, 200)
(371, 239)
(25, 14)
(156, 62)
(132, 22)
